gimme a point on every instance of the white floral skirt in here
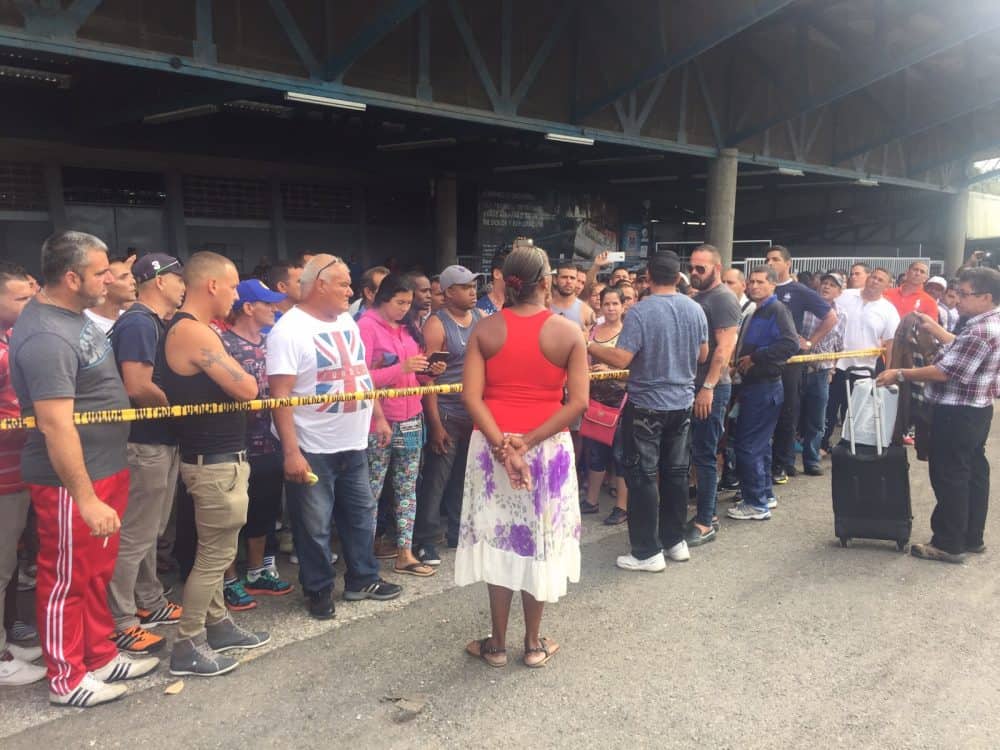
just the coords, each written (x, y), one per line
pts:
(524, 540)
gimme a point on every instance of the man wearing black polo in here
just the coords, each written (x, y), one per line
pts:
(962, 384)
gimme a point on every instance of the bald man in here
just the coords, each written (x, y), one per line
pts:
(213, 463)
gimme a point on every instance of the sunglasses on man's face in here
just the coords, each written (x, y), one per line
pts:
(700, 269)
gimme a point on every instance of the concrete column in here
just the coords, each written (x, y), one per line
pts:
(176, 228)
(720, 203)
(279, 239)
(52, 175)
(955, 231)
(445, 221)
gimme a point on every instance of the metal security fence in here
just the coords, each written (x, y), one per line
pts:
(894, 265)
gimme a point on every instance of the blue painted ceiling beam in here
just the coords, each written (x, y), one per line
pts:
(370, 35)
(877, 72)
(715, 37)
(261, 79)
(971, 103)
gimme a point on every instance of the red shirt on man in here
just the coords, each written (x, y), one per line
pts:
(919, 301)
(11, 441)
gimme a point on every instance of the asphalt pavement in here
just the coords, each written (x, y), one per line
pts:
(771, 637)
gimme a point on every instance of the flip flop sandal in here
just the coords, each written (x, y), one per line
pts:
(415, 569)
(543, 649)
(613, 492)
(485, 651)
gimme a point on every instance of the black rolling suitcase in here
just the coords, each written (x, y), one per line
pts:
(871, 484)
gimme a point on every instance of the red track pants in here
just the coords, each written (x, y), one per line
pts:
(74, 569)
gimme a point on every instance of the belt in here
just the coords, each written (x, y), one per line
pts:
(207, 459)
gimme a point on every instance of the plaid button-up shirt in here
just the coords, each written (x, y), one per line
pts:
(832, 342)
(972, 364)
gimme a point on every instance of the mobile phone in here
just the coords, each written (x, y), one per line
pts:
(434, 357)
(616, 257)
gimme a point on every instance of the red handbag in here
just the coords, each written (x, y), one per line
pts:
(600, 421)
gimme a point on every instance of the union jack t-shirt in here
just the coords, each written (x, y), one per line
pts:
(325, 357)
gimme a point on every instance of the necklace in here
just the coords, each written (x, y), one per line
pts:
(466, 328)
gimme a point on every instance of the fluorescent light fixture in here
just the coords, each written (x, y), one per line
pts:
(528, 167)
(791, 172)
(620, 160)
(326, 101)
(186, 113)
(693, 223)
(264, 108)
(866, 182)
(16, 73)
(579, 140)
(639, 180)
(414, 145)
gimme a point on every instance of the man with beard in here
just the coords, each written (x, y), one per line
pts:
(565, 301)
(121, 293)
(713, 387)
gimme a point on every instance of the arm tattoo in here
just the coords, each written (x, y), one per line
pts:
(210, 357)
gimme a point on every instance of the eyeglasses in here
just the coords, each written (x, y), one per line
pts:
(963, 294)
(333, 262)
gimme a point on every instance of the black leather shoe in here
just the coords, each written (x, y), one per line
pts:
(321, 604)
(814, 471)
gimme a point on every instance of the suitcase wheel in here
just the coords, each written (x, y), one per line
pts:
(901, 544)
(844, 540)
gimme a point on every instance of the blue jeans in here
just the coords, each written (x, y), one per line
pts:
(705, 436)
(343, 494)
(815, 394)
(760, 405)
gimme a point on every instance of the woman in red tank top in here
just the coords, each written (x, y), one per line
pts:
(520, 528)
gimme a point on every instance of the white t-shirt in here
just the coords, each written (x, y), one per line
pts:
(326, 357)
(99, 320)
(868, 325)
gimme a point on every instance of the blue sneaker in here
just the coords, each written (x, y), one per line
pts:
(237, 598)
(428, 555)
(266, 583)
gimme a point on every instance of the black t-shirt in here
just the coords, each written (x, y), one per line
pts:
(798, 298)
(135, 338)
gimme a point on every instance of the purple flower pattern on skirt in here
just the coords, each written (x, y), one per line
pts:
(485, 459)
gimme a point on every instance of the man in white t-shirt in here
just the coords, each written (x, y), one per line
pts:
(316, 349)
(871, 323)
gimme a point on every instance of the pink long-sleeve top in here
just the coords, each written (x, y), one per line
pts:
(386, 347)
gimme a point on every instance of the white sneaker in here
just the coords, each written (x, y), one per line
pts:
(772, 502)
(15, 672)
(126, 667)
(90, 692)
(679, 552)
(25, 653)
(653, 564)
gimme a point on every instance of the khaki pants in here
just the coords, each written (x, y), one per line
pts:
(13, 518)
(153, 470)
(220, 499)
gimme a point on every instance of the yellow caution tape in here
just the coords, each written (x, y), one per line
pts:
(110, 416)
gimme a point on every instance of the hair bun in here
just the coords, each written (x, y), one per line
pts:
(514, 282)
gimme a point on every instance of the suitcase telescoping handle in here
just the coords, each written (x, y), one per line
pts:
(865, 372)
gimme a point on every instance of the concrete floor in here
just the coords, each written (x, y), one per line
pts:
(771, 637)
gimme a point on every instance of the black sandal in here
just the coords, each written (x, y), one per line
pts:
(542, 649)
(485, 651)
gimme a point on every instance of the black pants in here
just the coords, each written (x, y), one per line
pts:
(783, 449)
(441, 485)
(960, 476)
(657, 454)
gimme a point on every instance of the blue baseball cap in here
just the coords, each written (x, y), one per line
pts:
(255, 290)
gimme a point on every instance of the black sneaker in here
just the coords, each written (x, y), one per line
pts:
(380, 590)
(321, 604)
(791, 471)
(779, 477)
(814, 471)
(428, 555)
(729, 483)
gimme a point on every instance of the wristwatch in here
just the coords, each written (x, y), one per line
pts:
(708, 386)
(899, 377)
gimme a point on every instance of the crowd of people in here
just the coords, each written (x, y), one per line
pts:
(501, 472)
